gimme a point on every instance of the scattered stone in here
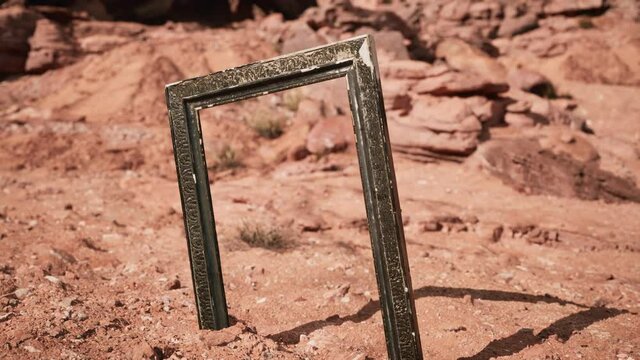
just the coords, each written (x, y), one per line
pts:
(459, 83)
(5, 317)
(405, 69)
(572, 7)
(508, 260)
(447, 115)
(463, 56)
(519, 120)
(297, 153)
(111, 237)
(524, 165)
(51, 47)
(144, 351)
(562, 141)
(80, 316)
(299, 36)
(485, 10)
(332, 95)
(32, 224)
(518, 25)
(547, 47)
(469, 219)
(222, 337)
(396, 95)
(310, 111)
(69, 301)
(166, 303)
(21, 293)
(600, 302)
(54, 280)
(390, 42)
(444, 223)
(489, 232)
(310, 222)
(468, 299)
(597, 62)
(338, 293)
(64, 256)
(489, 112)
(531, 81)
(16, 26)
(422, 142)
(456, 10)
(30, 349)
(101, 42)
(174, 284)
(90, 244)
(330, 135)
(519, 107)
(457, 329)
(430, 225)
(541, 236)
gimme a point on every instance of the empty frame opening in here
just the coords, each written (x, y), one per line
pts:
(294, 245)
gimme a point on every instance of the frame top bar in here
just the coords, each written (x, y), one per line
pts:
(342, 52)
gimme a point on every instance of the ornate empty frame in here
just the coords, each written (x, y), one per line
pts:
(354, 58)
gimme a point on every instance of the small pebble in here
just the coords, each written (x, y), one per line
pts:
(174, 284)
(21, 293)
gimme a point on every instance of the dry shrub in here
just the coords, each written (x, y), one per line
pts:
(264, 236)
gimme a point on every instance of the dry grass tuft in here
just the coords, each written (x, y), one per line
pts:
(269, 126)
(263, 236)
(226, 158)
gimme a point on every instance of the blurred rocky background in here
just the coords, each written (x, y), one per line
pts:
(515, 127)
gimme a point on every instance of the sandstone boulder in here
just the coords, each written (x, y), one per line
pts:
(51, 47)
(489, 112)
(528, 167)
(16, 27)
(519, 120)
(463, 56)
(299, 36)
(330, 135)
(485, 10)
(597, 62)
(389, 43)
(420, 141)
(518, 25)
(456, 10)
(530, 81)
(344, 17)
(458, 83)
(570, 7)
(405, 69)
(101, 43)
(561, 140)
(446, 115)
(396, 95)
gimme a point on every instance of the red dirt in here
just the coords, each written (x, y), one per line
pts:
(93, 260)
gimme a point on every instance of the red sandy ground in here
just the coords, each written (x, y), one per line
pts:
(91, 234)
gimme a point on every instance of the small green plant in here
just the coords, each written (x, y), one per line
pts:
(268, 126)
(291, 99)
(585, 23)
(266, 237)
(226, 158)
